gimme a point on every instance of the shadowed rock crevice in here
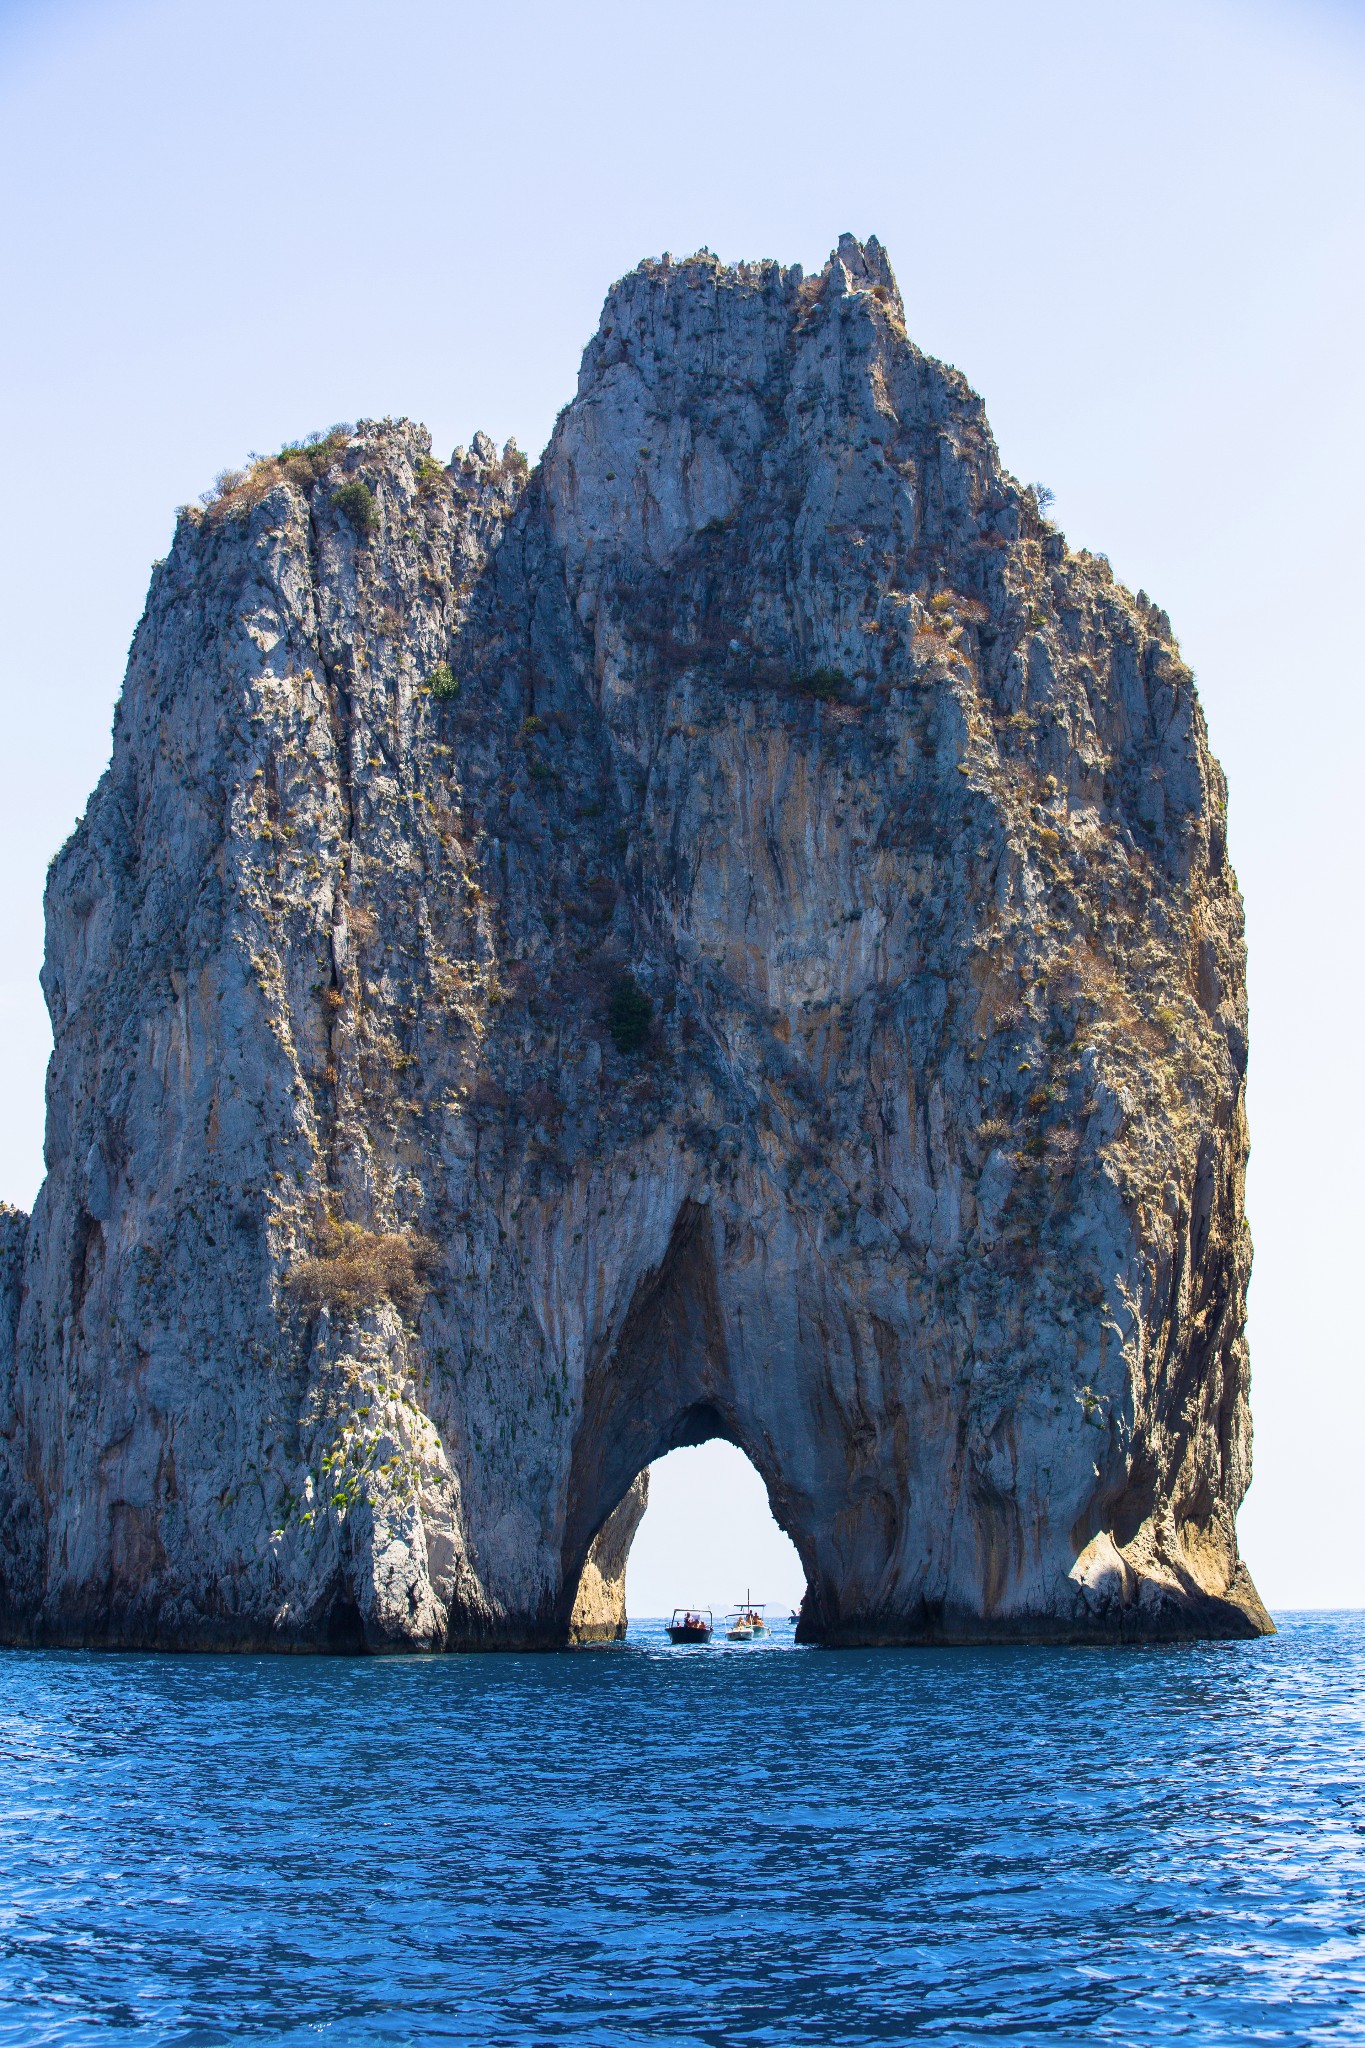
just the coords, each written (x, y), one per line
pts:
(658, 1386)
(735, 924)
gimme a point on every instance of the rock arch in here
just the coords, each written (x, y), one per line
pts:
(666, 1382)
(814, 1405)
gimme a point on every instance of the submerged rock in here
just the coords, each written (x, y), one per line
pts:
(728, 933)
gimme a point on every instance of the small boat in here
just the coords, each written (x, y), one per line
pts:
(740, 1633)
(690, 1625)
(749, 1617)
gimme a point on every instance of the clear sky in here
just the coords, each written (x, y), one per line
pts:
(1138, 229)
(708, 1539)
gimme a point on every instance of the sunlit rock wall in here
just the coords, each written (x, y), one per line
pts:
(728, 933)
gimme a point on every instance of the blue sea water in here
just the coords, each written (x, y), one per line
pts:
(749, 1844)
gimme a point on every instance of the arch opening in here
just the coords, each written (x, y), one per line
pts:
(709, 1537)
(697, 1528)
(661, 1386)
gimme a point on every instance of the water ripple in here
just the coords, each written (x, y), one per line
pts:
(711, 1847)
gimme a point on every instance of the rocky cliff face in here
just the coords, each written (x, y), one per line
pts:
(728, 933)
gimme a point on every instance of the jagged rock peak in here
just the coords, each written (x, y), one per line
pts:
(729, 934)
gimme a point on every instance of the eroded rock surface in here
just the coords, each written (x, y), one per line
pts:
(727, 933)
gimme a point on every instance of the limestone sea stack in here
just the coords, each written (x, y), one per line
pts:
(725, 933)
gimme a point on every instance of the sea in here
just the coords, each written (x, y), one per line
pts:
(747, 1843)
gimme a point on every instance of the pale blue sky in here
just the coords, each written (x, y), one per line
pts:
(1137, 229)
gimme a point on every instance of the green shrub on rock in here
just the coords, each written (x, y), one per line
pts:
(358, 503)
(630, 1014)
(303, 462)
(827, 683)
